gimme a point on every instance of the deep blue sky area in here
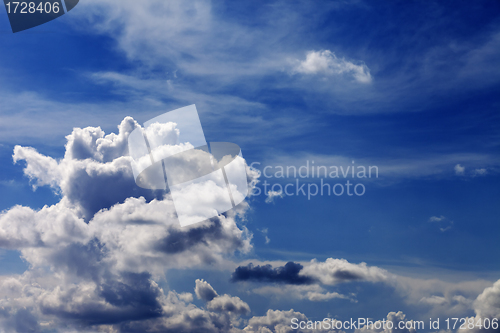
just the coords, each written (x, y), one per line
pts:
(416, 106)
(411, 87)
(391, 225)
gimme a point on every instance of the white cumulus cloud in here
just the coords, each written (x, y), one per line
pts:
(327, 63)
(459, 170)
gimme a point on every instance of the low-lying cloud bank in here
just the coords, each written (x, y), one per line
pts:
(97, 257)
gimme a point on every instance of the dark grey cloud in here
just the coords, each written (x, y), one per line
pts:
(134, 290)
(103, 190)
(124, 297)
(25, 322)
(204, 290)
(82, 260)
(288, 274)
(345, 275)
(180, 240)
(190, 321)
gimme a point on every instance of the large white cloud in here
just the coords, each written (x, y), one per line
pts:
(487, 311)
(95, 255)
(487, 303)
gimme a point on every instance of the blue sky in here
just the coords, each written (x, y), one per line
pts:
(410, 87)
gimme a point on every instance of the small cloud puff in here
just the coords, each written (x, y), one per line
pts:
(443, 220)
(480, 172)
(271, 195)
(327, 63)
(437, 218)
(459, 170)
(264, 233)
